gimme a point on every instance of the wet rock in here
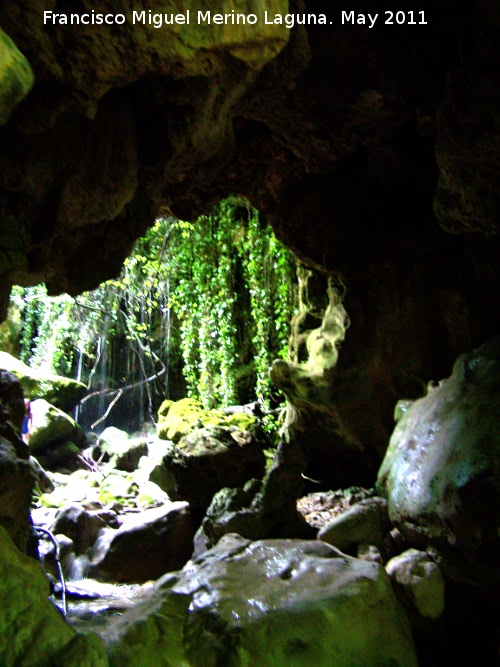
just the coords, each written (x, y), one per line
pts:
(418, 578)
(212, 458)
(146, 546)
(441, 473)
(80, 526)
(230, 511)
(365, 522)
(45, 638)
(269, 603)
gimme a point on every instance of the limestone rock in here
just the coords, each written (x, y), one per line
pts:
(12, 411)
(150, 471)
(17, 482)
(419, 577)
(16, 77)
(260, 509)
(146, 546)
(123, 451)
(51, 426)
(43, 481)
(46, 640)
(81, 526)
(335, 454)
(441, 471)
(208, 459)
(62, 392)
(267, 603)
(366, 522)
(178, 418)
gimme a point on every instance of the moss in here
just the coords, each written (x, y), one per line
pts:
(177, 419)
(16, 77)
(118, 487)
(62, 392)
(33, 632)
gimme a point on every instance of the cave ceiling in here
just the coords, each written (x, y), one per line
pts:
(368, 148)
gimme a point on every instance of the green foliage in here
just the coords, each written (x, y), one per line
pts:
(235, 295)
(216, 295)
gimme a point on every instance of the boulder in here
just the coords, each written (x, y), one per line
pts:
(260, 509)
(211, 458)
(367, 522)
(17, 481)
(146, 546)
(62, 392)
(34, 633)
(43, 482)
(441, 472)
(81, 526)
(418, 578)
(178, 418)
(51, 426)
(12, 411)
(268, 603)
(123, 451)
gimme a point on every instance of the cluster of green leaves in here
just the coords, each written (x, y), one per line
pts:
(225, 282)
(235, 297)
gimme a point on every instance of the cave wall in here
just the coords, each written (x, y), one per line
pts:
(374, 152)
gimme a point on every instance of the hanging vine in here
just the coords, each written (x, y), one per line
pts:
(225, 281)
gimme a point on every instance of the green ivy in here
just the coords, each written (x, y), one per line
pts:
(225, 282)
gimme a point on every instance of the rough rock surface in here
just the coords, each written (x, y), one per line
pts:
(17, 481)
(79, 525)
(62, 392)
(122, 451)
(259, 510)
(419, 579)
(442, 468)
(146, 546)
(17, 478)
(211, 458)
(367, 522)
(335, 455)
(16, 77)
(178, 418)
(33, 631)
(362, 145)
(51, 428)
(267, 603)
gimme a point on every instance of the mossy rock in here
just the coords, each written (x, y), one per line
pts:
(34, 633)
(62, 392)
(51, 427)
(16, 77)
(118, 486)
(179, 418)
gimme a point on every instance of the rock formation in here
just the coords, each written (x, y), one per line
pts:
(373, 152)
